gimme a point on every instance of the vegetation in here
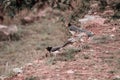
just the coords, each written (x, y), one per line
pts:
(78, 8)
(31, 78)
(44, 24)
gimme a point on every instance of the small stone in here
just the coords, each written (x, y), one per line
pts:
(6, 31)
(17, 70)
(27, 19)
(2, 77)
(112, 35)
(116, 77)
(57, 75)
(70, 72)
(92, 50)
(29, 64)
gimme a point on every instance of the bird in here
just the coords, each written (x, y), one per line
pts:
(75, 30)
(69, 41)
(57, 50)
(54, 50)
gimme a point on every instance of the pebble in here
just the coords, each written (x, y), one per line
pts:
(70, 72)
(17, 70)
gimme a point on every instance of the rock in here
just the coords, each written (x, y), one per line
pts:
(92, 50)
(17, 70)
(108, 13)
(12, 29)
(117, 77)
(91, 19)
(112, 35)
(29, 64)
(2, 77)
(70, 71)
(27, 20)
(6, 31)
(3, 28)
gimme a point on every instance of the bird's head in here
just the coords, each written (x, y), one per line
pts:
(69, 24)
(49, 48)
(91, 34)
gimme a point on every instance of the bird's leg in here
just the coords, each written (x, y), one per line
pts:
(55, 55)
(89, 38)
(46, 55)
(9, 38)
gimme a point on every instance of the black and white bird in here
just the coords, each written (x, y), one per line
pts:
(58, 49)
(54, 50)
(75, 30)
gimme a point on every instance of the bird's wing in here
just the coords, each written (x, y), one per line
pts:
(56, 48)
(76, 29)
(73, 28)
(89, 33)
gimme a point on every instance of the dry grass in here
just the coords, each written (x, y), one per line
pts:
(32, 78)
(102, 39)
(33, 41)
(69, 54)
(92, 63)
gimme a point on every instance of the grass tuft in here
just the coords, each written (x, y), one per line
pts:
(68, 54)
(31, 78)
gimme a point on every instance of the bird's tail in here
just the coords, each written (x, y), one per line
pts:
(89, 33)
(66, 43)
